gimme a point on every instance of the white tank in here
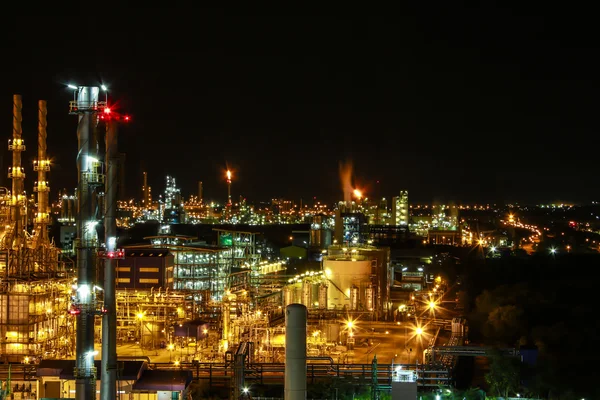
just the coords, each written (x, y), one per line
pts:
(295, 352)
(323, 296)
(369, 292)
(343, 274)
(288, 295)
(354, 298)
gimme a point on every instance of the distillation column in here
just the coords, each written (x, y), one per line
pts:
(42, 165)
(86, 107)
(16, 145)
(108, 382)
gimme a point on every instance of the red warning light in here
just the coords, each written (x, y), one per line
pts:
(127, 118)
(74, 311)
(106, 110)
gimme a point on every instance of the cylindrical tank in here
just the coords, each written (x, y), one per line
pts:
(323, 296)
(288, 295)
(344, 273)
(354, 298)
(369, 297)
(332, 332)
(307, 293)
(295, 352)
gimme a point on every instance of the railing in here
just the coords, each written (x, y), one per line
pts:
(77, 106)
(426, 376)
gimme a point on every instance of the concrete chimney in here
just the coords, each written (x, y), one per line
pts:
(295, 352)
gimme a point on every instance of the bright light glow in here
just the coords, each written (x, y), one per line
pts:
(83, 290)
(245, 390)
(358, 193)
(90, 225)
(419, 331)
(493, 249)
(103, 87)
(432, 304)
(106, 110)
(111, 243)
(72, 87)
(228, 175)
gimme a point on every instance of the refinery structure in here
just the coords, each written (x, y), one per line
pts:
(226, 303)
(35, 285)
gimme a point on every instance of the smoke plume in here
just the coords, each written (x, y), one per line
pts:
(346, 180)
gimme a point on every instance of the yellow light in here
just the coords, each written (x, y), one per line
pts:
(432, 305)
(140, 315)
(419, 331)
(357, 193)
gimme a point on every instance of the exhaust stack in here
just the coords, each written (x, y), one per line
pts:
(108, 382)
(86, 106)
(42, 165)
(295, 352)
(16, 173)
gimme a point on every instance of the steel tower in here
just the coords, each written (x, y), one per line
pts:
(86, 106)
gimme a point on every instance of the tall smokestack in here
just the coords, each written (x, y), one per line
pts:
(42, 165)
(346, 181)
(145, 191)
(228, 187)
(16, 173)
(86, 108)
(108, 381)
(295, 352)
(200, 192)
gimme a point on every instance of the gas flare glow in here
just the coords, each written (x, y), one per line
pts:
(346, 180)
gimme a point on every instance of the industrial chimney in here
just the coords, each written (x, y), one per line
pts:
(295, 352)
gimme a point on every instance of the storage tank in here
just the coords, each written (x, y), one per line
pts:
(343, 273)
(323, 296)
(307, 294)
(369, 292)
(354, 298)
(288, 295)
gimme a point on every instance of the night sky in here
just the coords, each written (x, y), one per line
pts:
(457, 104)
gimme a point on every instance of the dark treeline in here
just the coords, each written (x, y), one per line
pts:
(545, 301)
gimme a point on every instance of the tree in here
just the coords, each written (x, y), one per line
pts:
(504, 376)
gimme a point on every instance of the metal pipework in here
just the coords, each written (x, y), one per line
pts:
(85, 371)
(108, 382)
(42, 165)
(295, 352)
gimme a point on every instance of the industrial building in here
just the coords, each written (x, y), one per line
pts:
(34, 287)
(354, 279)
(400, 214)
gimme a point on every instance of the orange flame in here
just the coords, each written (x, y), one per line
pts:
(228, 175)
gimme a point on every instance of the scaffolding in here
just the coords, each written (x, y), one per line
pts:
(146, 317)
(200, 269)
(33, 321)
(242, 245)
